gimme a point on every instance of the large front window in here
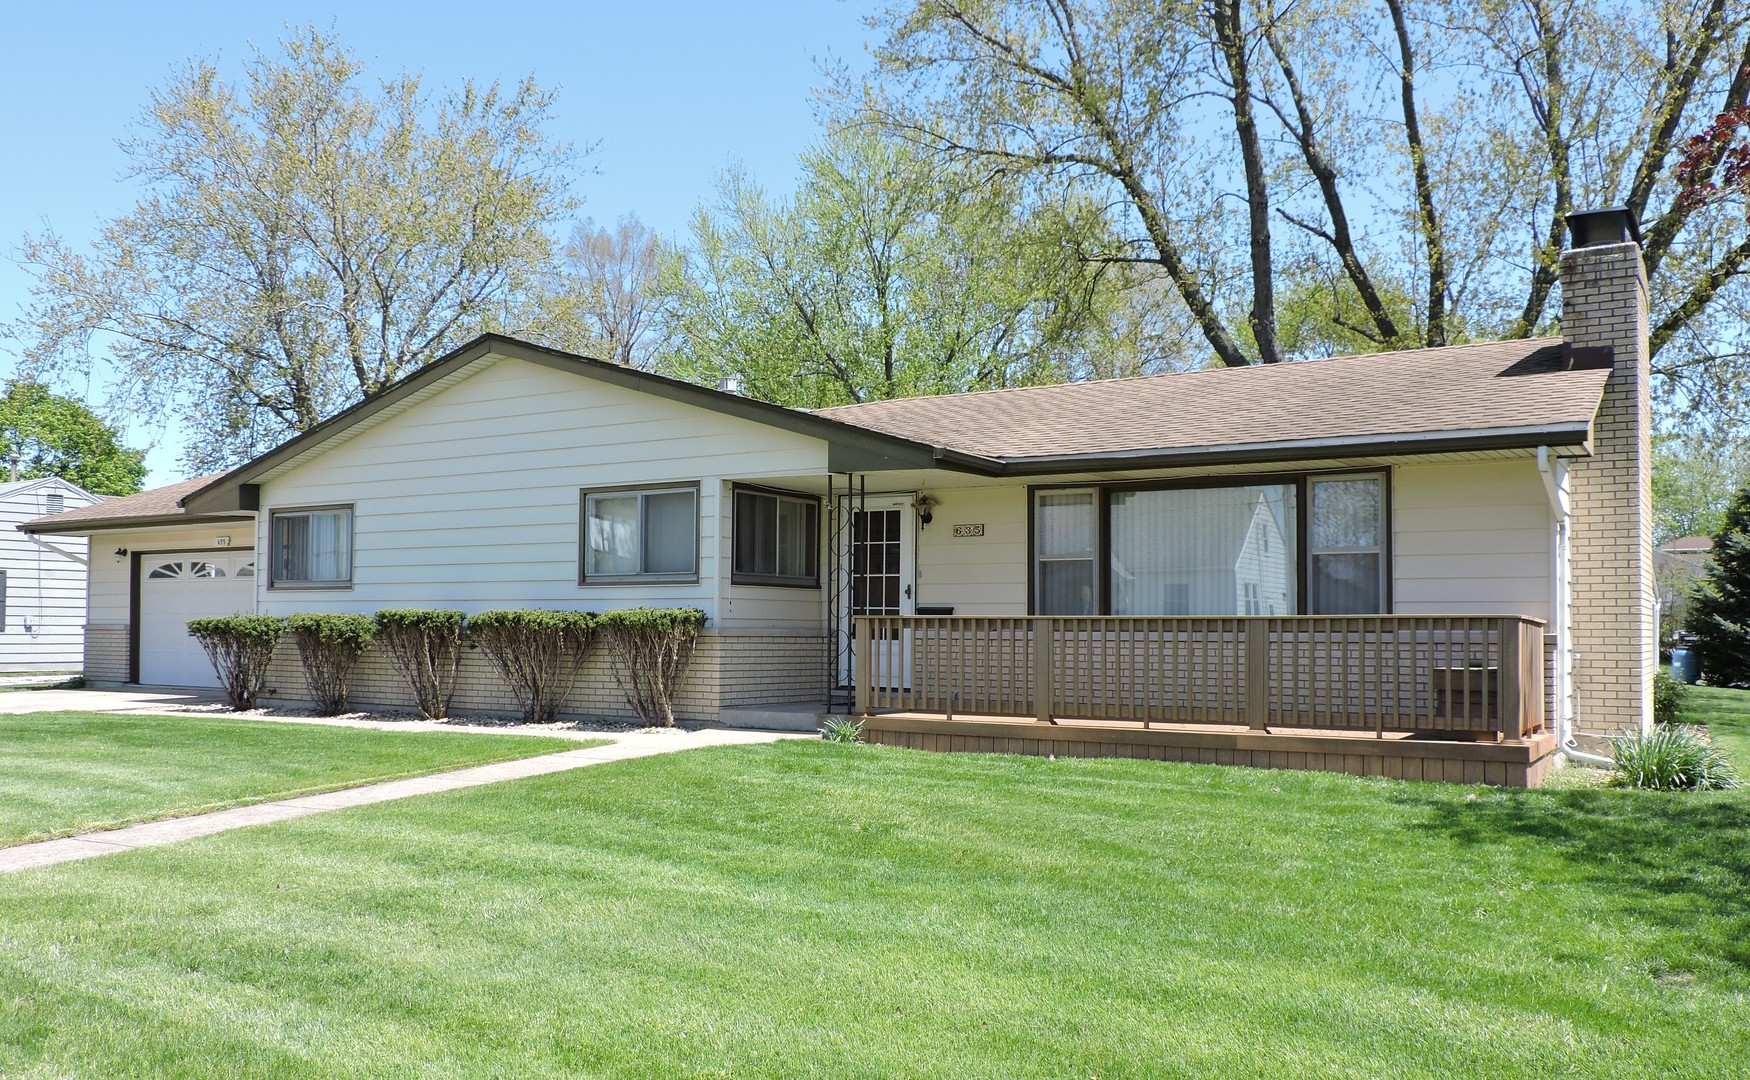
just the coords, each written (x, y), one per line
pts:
(1212, 550)
(641, 535)
(1203, 551)
(310, 548)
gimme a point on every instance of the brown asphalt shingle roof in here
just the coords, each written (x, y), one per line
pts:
(156, 503)
(1689, 543)
(1507, 384)
(1382, 398)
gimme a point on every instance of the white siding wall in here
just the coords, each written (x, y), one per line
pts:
(1471, 539)
(471, 499)
(45, 582)
(109, 572)
(979, 575)
(1468, 538)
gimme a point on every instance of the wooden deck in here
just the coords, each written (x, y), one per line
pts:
(1521, 762)
(1463, 676)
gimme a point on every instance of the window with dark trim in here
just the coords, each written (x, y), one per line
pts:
(1346, 545)
(1258, 545)
(1065, 552)
(640, 535)
(777, 539)
(310, 548)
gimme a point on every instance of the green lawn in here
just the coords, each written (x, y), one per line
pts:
(63, 773)
(806, 909)
(1727, 716)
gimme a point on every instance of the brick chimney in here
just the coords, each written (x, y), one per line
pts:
(1612, 615)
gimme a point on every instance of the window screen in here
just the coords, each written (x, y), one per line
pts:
(1065, 546)
(777, 539)
(1204, 551)
(1346, 546)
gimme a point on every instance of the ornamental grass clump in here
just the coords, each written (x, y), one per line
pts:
(538, 654)
(1672, 757)
(843, 729)
(426, 648)
(241, 648)
(649, 649)
(330, 646)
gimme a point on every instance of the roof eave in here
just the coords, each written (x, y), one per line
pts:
(1575, 436)
(58, 527)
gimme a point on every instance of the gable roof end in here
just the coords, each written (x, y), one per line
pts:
(851, 448)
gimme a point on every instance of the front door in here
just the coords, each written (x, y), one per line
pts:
(880, 561)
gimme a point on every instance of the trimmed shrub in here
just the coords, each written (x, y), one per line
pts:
(1667, 698)
(329, 647)
(1675, 757)
(240, 647)
(649, 649)
(537, 652)
(426, 648)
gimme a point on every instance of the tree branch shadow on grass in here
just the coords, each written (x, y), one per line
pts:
(1681, 862)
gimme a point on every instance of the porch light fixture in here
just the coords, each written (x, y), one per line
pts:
(924, 504)
(121, 553)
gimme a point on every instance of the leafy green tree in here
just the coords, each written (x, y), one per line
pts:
(610, 296)
(893, 274)
(305, 238)
(1719, 614)
(1369, 153)
(1694, 477)
(58, 436)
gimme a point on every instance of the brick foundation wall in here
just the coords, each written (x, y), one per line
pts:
(106, 654)
(728, 670)
(1604, 303)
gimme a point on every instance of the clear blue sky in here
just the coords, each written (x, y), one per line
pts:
(672, 92)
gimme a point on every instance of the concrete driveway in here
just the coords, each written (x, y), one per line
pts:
(156, 700)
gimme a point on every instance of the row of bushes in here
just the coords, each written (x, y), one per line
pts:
(538, 653)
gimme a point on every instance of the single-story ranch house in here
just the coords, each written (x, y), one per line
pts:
(1430, 563)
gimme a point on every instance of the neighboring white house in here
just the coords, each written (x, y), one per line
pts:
(1504, 479)
(42, 579)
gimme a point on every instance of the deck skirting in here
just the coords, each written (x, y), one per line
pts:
(1514, 763)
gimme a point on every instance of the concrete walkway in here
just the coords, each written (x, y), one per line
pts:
(626, 745)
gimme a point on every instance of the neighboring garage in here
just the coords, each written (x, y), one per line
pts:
(153, 566)
(176, 587)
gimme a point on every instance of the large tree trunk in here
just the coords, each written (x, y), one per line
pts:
(1230, 38)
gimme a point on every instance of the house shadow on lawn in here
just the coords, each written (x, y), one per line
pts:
(1679, 861)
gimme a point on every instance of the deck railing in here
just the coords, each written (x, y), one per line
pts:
(1469, 674)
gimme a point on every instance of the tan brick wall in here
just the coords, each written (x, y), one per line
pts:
(106, 654)
(1604, 303)
(727, 670)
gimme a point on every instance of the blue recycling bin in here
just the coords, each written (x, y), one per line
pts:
(1685, 668)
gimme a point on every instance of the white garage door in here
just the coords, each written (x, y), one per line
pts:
(175, 588)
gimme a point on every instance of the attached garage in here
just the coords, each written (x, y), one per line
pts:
(176, 587)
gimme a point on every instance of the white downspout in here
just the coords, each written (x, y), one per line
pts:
(1554, 472)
